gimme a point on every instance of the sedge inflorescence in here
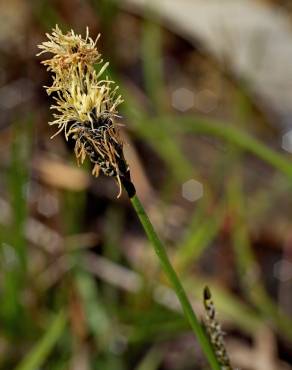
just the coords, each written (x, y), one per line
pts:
(86, 104)
(215, 332)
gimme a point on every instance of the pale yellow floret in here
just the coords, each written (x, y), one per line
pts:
(68, 49)
(84, 98)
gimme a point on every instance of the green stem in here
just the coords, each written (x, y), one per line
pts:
(172, 276)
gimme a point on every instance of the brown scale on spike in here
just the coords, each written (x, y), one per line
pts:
(104, 149)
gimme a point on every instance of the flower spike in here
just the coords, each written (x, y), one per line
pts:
(85, 105)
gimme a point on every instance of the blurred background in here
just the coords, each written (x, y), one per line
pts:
(207, 119)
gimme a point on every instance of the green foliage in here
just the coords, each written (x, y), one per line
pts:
(39, 353)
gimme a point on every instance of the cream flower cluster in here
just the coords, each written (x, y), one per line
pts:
(80, 94)
(85, 104)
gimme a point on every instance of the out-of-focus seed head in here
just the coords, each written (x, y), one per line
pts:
(215, 332)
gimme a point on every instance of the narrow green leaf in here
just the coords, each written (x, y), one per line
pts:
(230, 134)
(38, 355)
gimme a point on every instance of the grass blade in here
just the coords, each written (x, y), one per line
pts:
(42, 349)
(230, 134)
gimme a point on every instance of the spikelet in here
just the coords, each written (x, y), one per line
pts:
(68, 50)
(215, 332)
(85, 105)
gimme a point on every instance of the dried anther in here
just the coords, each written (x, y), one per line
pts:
(85, 105)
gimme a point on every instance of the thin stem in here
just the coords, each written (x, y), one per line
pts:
(172, 276)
